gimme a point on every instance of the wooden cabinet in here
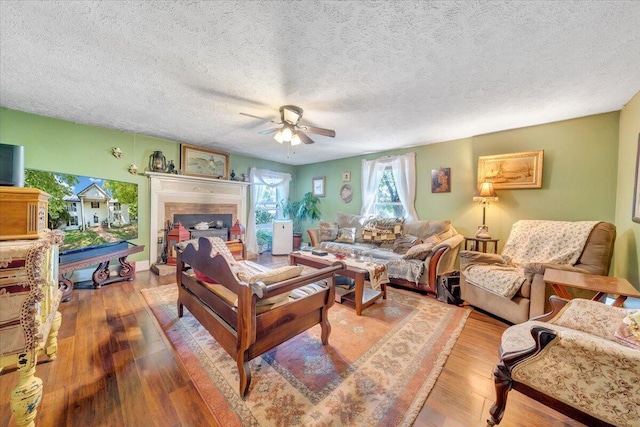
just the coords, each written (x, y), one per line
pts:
(29, 317)
(24, 212)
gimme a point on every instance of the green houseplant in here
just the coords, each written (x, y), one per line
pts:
(299, 212)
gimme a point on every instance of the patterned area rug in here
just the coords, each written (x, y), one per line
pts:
(377, 370)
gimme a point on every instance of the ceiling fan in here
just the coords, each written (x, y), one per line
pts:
(292, 131)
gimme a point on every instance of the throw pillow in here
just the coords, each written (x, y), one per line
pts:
(422, 250)
(328, 231)
(403, 243)
(201, 276)
(379, 230)
(346, 235)
(628, 331)
(424, 229)
(345, 220)
(271, 276)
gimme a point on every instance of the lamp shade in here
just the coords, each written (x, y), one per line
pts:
(486, 193)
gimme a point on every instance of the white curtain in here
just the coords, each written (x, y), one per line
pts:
(261, 179)
(404, 173)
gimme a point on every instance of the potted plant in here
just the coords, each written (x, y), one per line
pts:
(299, 212)
(264, 238)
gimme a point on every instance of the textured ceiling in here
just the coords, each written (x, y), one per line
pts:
(382, 74)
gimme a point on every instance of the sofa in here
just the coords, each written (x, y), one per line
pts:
(582, 359)
(415, 252)
(532, 247)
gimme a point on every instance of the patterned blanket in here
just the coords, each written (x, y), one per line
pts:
(531, 241)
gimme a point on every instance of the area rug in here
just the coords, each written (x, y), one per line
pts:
(377, 370)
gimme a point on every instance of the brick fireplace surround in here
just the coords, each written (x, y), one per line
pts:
(182, 194)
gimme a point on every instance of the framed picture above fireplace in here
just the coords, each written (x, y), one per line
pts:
(199, 161)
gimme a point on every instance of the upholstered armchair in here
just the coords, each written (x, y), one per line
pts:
(582, 359)
(511, 285)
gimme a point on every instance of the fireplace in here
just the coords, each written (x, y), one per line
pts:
(190, 198)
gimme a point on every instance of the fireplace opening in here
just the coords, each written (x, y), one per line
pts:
(188, 221)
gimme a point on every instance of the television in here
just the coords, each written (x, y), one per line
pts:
(94, 213)
(11, 165)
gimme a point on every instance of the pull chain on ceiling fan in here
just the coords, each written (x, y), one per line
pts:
(292, 131)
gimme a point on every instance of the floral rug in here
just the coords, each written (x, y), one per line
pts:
(377, 370)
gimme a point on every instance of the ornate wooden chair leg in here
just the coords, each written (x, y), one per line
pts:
(51, 346)
(325, 326)
(244, 369)
(26, 396)
(503, 383)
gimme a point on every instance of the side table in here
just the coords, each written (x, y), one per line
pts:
(602, 285)
(480, 245)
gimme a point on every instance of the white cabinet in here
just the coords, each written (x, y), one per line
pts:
(282, 243)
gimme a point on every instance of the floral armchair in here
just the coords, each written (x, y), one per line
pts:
(582, 359)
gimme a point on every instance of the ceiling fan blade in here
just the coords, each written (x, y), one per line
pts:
(304, 138)
(261, 118)
(319, 131)
(268, 131)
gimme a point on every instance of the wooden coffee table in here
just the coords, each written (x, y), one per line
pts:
(603, 285)
(364, 297)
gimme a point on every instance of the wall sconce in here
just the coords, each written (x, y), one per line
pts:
(133, 169)
(117, 152)
(486, 195)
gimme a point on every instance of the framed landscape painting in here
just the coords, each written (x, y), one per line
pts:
(198, 161)
(512, 171)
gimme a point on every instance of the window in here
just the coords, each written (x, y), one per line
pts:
(267, 189)
(117, 207)
(73, 220)
(387, 202)
(96, 220)
(72, 207)
(389, 187)
(95, 205)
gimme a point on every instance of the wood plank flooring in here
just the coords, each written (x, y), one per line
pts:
(116, 368)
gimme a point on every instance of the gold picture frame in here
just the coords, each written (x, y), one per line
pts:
(512, 171)
(199, 161)
(635, 215)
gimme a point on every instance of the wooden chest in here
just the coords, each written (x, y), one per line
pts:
(23, 212)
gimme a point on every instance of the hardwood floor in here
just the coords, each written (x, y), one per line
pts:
(116, 368)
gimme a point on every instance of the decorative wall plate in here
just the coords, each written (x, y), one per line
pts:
(346, 193)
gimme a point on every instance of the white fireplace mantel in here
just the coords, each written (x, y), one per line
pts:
(170, 188)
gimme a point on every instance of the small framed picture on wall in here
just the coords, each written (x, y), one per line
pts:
(317, 185)
(441, 180)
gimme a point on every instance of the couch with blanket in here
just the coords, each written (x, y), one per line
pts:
(415, 252)
(511, 285)
(582, 359)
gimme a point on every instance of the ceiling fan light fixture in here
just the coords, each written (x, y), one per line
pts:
(295, 139)
(287, 134)
(278, 136)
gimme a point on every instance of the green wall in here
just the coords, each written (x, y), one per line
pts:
(62, 146)
(626, 258)
(585, 175)
(579, 176)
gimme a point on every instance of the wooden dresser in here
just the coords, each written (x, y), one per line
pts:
(29, 317)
